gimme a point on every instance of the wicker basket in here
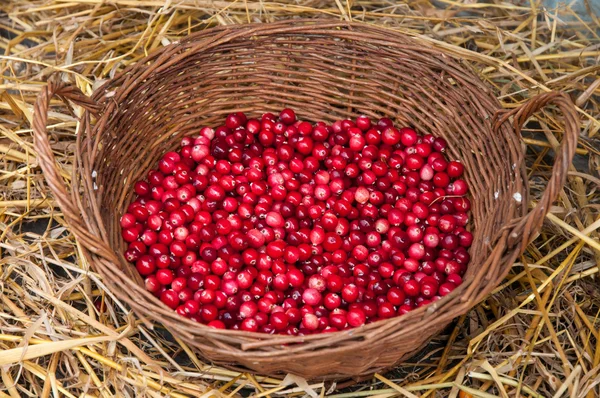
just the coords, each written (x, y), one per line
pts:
(326, 71)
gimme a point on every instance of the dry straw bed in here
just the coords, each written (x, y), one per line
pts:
(63, 334)
(328, 70)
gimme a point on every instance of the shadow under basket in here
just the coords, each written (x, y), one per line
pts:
(324, 71)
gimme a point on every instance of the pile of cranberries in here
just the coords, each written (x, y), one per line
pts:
(278, 225)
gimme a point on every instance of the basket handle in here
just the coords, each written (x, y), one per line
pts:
(527, 225)
(48, 165)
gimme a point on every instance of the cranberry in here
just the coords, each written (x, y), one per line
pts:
(459, 188)
(412, 288)
(317, 282)
(455, 169)
(395, 296)
(429, 288)
(441, 179)
(446, 288)
(279, 321)
(295, 277)
(146, 265)
(391, 136)
(130, 234)
(128, 220)
(454, 278)
(332, 301)
(170, 298)
(356, 317)
(274, 220)
(369, 308)
(310, 321)
(216, 324)
(287, 116)
(338, 321)
(350, 293)
(311, 296)
(452, 267)
(446, 223)
(386, 310)
(152, 284)
(165, 276)
(248, 309)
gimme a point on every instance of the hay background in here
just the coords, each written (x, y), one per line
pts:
(537, 335)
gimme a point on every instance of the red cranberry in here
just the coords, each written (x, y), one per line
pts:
(408, 136)
(459, 188)
(370, 309)
(446, 288)
(152, 284)
(356, 317)
(454, 278)
(412, 288)
(170, 298)
(146, 265)
(287, 116)
(391, 136)
(446, 223)
(332, 301)
(386, 310)
(311, 296)
(455, 169)
(279, 321)
(248, 309)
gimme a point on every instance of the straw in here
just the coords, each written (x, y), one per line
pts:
(536, 336)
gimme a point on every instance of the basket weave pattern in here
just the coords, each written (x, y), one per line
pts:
(325, 71)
